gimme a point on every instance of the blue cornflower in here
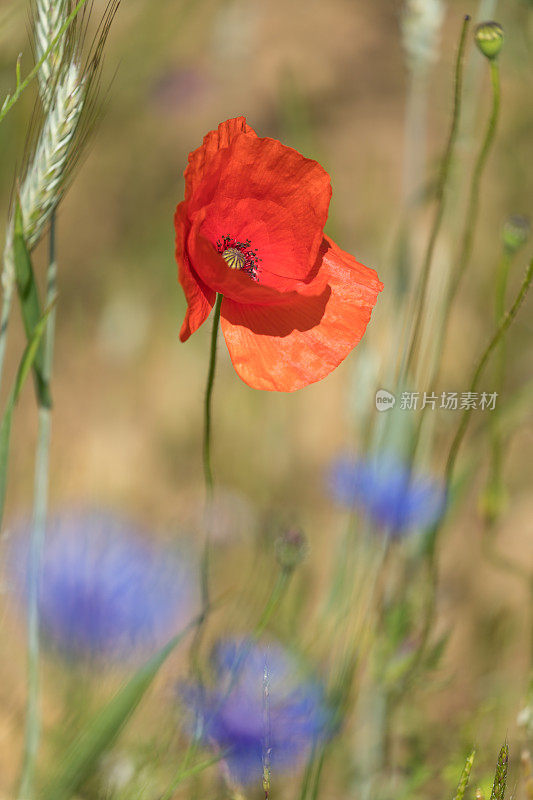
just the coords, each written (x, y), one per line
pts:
(388, 492)
(262, 713)
(105, 589)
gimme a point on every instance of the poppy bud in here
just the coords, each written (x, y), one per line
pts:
(515, 233)
(291, 548)
(489, 38)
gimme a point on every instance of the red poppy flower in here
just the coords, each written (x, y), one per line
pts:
(251, 228)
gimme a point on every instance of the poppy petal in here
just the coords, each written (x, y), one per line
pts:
(262, 180)
(212, 143)
(287, 347)
(200, 298)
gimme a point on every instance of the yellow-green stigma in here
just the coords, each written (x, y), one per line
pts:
(234, 258)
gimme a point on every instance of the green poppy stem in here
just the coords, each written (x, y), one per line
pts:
(208, 479)
(208, 472)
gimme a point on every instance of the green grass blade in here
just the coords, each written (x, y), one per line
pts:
(465, 776)
(25, 366)
(30, 305)
(500, 779)
(85, 752)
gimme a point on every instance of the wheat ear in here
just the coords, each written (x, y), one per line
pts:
(44, 183)
(50, 15)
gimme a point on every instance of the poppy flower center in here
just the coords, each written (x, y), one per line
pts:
(234, 258)
(239, 255)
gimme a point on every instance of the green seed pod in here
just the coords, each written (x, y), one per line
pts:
(515, 233)
(489, 38)
(291, 548)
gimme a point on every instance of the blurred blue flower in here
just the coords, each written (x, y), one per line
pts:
(262, 711)
(105, 589)
(388, 492)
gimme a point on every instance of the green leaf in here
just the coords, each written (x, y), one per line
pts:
(465, 776)
(83, 755)
(500, 779)
(27, 360)
(30, 306)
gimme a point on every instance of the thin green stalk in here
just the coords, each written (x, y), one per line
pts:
(185, 772)
(472, 212)
(271, 606)
(208, 473)
(273, 602)
(467, 241)
(494, 342)
(432, 565)
(494, 486)
(208, 478)
(40, 506)
(441, 202)
(318, 773)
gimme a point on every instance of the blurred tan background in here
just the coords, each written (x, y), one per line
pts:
(328, 78)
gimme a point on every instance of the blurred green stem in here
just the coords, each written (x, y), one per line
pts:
(467, 241)
(495, 487)
(40, 506)
(494, 342)
(4, 322)
(472, 212)
(185, 772)
(441, 202)
(273, 602)
(433, 534)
